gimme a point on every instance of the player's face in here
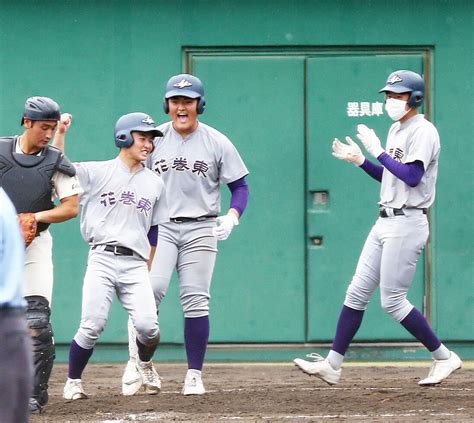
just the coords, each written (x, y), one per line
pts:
(141, 147)
(398, 96)
(183, 112)
(40, 132)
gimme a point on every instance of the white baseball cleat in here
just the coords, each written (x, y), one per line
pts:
(319, 368)
(73, 390)
(131, 379)
(441, 369)
(193, 383)
(150, 377)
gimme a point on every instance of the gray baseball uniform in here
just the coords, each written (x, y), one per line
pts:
(192, 168)
(118, 208)
(394, 244)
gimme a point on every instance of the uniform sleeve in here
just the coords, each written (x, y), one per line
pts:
(65, 186)
(232, 167)
(83, 175)
(160, 211)
(423, 145)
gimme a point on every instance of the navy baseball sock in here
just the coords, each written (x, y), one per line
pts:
(145, 352)
(417, 325)
(196, 335)
(347, 326)
(78, 359)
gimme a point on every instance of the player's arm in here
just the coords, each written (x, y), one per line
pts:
(59, 140)
(153, 239)
(238, 203)
(67, 209)
(410, 173)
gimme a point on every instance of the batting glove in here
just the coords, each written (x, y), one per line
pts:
(225, 224)
(370, 140)
(349, 152)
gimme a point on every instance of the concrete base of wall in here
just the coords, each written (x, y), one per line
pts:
(360, 352)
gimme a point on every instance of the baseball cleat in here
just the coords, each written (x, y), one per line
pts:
(319, 368)
(193, 383)
(131, 379)
(73, 390)
(441, 369)
(34, 407)
(149, 376)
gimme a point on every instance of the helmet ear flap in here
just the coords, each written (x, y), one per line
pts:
(201, 106)
(166, 107)
(123, 139)
(416, 99)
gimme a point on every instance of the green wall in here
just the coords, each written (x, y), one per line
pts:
(101, 59)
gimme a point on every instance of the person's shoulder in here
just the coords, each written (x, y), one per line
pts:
(424, 125)
(164, 128)
(212, 133)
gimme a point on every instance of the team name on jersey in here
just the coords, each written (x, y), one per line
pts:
(180, 164)
(396, 154)
(127, 198)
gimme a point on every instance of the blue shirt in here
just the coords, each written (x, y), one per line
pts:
(12, 255)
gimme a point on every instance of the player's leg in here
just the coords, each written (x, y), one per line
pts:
(162, 268)
(15, 367)
(358, 294)
(97, 296)
(38, 292)
(136, 295)
(405, 239)
(196, 262)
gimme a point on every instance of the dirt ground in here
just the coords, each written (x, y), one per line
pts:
(271, 392)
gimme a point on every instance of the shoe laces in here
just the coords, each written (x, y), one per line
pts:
(315, 356)
(148, 372)
(192, 380)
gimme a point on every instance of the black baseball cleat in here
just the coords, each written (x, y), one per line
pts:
(34, 406)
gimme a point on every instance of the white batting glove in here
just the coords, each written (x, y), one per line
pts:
(225, 224)
(349, 152)
(370, 140)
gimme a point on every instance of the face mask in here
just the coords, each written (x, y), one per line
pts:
(395, 108)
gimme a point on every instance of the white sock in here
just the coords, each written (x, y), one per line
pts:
(335, 359)
(132, 340)
(442, 353)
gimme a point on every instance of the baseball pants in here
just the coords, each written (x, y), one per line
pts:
(39, 267)
(191, 249)
(388, 260)
(127, 276)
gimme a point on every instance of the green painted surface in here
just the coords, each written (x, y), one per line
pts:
(103, 59)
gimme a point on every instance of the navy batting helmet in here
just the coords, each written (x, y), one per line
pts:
(185, 85)
(133, 122)
(41, 108)
(405, 81)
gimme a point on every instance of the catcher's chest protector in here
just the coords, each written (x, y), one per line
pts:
(27, 178)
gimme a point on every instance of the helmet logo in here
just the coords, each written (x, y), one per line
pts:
(148, 120)
(183, 84)
(394, 79)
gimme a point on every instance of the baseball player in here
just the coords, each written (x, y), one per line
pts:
(122, 204)
(34, 174)
(16, 366)
(407, 172)
(193, 159)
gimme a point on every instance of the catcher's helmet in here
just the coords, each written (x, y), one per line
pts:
(133, 122)
(185, 85)
(41, 108)
(405, 81)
